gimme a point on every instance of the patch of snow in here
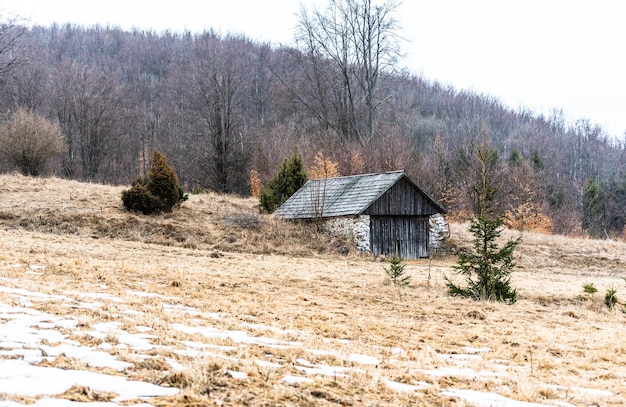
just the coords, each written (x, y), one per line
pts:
(303, 362)
(69, 323)
(394, 351)
(141, 328)
(183, 308)
(325, 370)
(18, 377)
(488, 399)
(296, 379)
(262, 327)
(33, 295)
(88, 355)
(460, 356)
(190, 353)
(137, 341)
(28, 355)
(586, 391)
(202, 345)
(406, 388)
(265, 363)
(20, 323)
(107, 326)
(469, 349)
(197, 354)
(328, 371)
(363, 359)
(101, 296)
(235, 336)
(132, 312)
(50, 402)
(85, 305)
(105, 346)
(11, 345)
(175, 365)
(217, 315)
(467, 373)
(238, 375)
(148, 295)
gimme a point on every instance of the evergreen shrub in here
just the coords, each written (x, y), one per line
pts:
(290, 177)
(158, 192)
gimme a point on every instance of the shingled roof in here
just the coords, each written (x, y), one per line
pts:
(341, 196)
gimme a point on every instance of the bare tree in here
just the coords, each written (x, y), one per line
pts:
(350, 48)
(91, 111)
(219, 123)
(11, 53)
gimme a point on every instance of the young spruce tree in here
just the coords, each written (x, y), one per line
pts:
(486, 266)
(289, 178)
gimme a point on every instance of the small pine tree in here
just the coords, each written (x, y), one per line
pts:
(610, 298)
(289, 178)
(396, 272)
(486, 267)
(158, 192)
(593, 210)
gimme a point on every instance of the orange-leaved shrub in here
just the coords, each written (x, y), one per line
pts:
(323, 167)
(529, 218)
(255, 183)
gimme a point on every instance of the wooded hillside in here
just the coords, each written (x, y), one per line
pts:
(219, 106)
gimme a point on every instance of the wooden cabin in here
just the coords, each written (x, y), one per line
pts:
(387, 214)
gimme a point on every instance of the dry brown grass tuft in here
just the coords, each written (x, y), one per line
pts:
(217, 263)
(85, 394)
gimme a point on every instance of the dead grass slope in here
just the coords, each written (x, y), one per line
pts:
(207, 221)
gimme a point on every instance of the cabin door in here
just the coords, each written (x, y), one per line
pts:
(403, 236)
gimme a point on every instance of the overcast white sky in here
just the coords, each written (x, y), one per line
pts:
(537, 54)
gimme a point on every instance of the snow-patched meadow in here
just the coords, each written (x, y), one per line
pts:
(53, 354)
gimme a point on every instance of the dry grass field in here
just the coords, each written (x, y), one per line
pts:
(240, 309)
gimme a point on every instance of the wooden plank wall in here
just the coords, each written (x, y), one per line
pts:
(404, 236)
(402, 199)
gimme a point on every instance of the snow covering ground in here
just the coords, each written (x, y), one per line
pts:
(30, 340)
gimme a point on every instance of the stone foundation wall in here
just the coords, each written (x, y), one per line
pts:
(439, 231)
(355, 228)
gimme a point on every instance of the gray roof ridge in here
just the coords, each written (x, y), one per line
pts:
(360, 175)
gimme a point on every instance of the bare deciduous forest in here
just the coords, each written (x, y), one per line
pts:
(220, 106)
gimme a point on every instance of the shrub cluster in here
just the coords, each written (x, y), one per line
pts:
(29, 141)
(156, 193)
